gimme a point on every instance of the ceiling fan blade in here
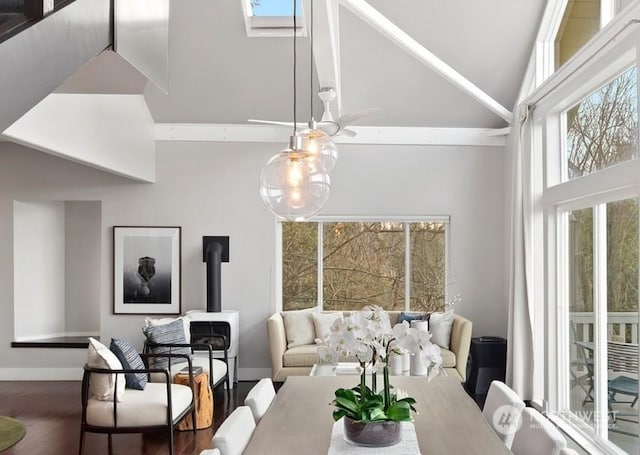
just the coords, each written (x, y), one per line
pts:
(347, 132)
(273, 122)
(331, 128)
(348, 119)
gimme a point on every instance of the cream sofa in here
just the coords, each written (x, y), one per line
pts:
(298, 360)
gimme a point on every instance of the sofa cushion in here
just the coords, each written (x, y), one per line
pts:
(440, 325)
(448, 358)
(301, 356)
(411, 317)
(323, 323)
(298, 327)
(103, 386)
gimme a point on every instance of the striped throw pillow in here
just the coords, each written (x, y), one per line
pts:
(171, 333)
(131, 360)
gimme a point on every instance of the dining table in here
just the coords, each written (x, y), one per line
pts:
(300, 421)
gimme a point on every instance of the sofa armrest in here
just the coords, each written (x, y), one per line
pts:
(277, 343)
(460, 343)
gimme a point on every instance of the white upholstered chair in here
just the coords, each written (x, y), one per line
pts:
(537, 435)
(210, 452)
(568, 451)
(260, 398)
(502, 410)
(235, 432)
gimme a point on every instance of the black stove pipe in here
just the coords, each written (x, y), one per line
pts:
(214, 277)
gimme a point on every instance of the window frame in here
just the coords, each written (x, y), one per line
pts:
(553, 196)
(405, 220)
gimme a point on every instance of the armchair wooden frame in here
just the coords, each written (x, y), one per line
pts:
(109, 430)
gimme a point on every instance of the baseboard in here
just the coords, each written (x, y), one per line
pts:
(253, 374)
(41, 374)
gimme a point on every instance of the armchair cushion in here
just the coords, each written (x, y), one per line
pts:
(103, 386)
(140, 408)
(172, 333)
(411, 317)
(130, 360)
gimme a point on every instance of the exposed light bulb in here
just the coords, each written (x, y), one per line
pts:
(293, 185)
(320, 146)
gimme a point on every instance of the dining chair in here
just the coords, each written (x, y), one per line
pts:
(235, 432)
(568, 451)
(537, 435)
(260, 398)
(210, 452)
(502, 410)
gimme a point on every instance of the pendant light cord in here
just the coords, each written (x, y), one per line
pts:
(311, 65)
(295, 29)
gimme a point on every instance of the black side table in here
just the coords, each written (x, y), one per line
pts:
(488, 362)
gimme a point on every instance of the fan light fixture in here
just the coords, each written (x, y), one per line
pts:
(294, 183)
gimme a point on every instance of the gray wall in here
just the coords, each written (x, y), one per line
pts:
(82, 266)
(212, 189)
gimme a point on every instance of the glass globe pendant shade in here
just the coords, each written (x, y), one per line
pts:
(294, 187)
(320, 146)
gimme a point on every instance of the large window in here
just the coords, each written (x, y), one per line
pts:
(602, 129)
(345, 265)
(602, 334)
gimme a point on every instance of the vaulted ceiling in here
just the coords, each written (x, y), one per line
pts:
(219, 75)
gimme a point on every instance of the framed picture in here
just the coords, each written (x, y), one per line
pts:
(146, 270)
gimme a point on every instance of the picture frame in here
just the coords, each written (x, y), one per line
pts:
(147, 268)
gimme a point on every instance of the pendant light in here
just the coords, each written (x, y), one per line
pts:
(315, 141)
(294, 184)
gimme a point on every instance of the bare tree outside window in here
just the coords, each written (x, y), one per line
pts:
(602, 129)
(363, 263)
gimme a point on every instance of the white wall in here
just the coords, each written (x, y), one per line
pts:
(212, 189)
(82, 266)
(39, 278)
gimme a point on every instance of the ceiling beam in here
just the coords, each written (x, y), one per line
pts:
(394, 33)
(379, 135)
(326, 47)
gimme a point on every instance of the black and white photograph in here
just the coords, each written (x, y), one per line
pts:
(146, 270)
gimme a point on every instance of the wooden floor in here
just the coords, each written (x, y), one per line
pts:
(51, 411)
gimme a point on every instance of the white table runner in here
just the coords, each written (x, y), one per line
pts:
(407, 446)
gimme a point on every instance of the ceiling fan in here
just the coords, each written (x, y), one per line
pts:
(331, 126)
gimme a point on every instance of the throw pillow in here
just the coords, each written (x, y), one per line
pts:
(440, 325)
(103, 386)
(298, 327)
(411, 317)
(186, 321)
(172, 333)
(323, 323)
(131, 360)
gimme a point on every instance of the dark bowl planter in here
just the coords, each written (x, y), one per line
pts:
(372, 434)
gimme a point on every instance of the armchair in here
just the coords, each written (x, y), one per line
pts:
(217, 369)
(156, 408)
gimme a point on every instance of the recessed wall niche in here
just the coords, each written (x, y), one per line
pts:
(56, 269)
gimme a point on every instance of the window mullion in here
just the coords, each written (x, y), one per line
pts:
(407, 266)
(320, 266)
(600, 318)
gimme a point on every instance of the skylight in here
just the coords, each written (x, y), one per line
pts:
(272, 17)
(270, 8)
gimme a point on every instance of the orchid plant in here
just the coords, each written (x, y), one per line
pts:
(368, 336)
